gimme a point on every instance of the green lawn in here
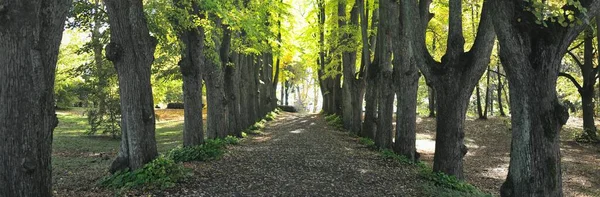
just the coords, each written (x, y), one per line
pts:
(79, 161)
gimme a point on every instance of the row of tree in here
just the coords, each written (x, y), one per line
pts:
(230, 46)
(533, 38)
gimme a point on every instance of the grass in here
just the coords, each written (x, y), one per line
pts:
(79, 161)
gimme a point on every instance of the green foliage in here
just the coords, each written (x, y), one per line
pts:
(335, 121)
(210, 150)
(161, 173)
(271, 116)
(448, 181)
(366, 141)
(556, 11)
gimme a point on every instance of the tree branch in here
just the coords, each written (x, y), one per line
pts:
(568, 76)
(576, 59)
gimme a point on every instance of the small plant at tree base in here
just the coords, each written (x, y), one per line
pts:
(335, 121)
(210, 150)
(161, 173)
(448, 181)
(368, 142)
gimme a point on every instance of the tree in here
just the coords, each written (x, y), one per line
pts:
(369, 126)
(215, 81)
(30, 35)
(191, 66)
(385, 84)
(406, 76)
(131, 49)
(532, 46)
(453, 80)
(352, 88)
(586, 91)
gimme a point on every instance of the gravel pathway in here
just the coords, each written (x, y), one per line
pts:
(299, 155)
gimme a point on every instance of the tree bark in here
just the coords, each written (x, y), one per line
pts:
(499, 89)
(131, 49)
(487, 96)
(454, 79)
(369, 126)
(406, 77)
(352, 89)
(232, 91)
(218, 120)
(532, 56)
(30, 35)
(385, 110)
(191, 65)
(431, 98)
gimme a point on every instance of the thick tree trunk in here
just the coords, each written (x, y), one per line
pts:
(244, 100)
(453, 101)
(385, 109)
(532, 57)
(217, 120)
(30, 35)
(232, 91)
(131, 49)
(217, 98)
(454, 80)
(351, 89)
(406, 79)
(191, 65)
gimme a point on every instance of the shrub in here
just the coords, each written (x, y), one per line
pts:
(448, 181)
(210, 150)
(161, 173)
(366, 141)
(335, 121)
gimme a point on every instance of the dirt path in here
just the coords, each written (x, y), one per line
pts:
(299, 155)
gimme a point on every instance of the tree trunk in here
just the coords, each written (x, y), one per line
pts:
(369, 126)
(385, 110)
(218, 120)
(131, 49)
(499, 89)
(30, 35)
(431, 98)
(351, 88)
(244, 86)
(406, 77)
(454, 80)
(232, 91)
(589, 74)
(191, 65)
(532, 57)
(487, 95)
(452, 105)
(479, 108)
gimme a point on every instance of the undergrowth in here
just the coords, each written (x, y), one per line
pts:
(161, 173)
(166, 170)
(440, 184)
(335, 121)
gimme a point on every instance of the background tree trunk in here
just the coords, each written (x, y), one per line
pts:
(131, 49)
(30, 36)
(499, 89)
(217, 120)
(431, 98)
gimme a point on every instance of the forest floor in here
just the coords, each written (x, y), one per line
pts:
(300, 155)
(486, 163)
